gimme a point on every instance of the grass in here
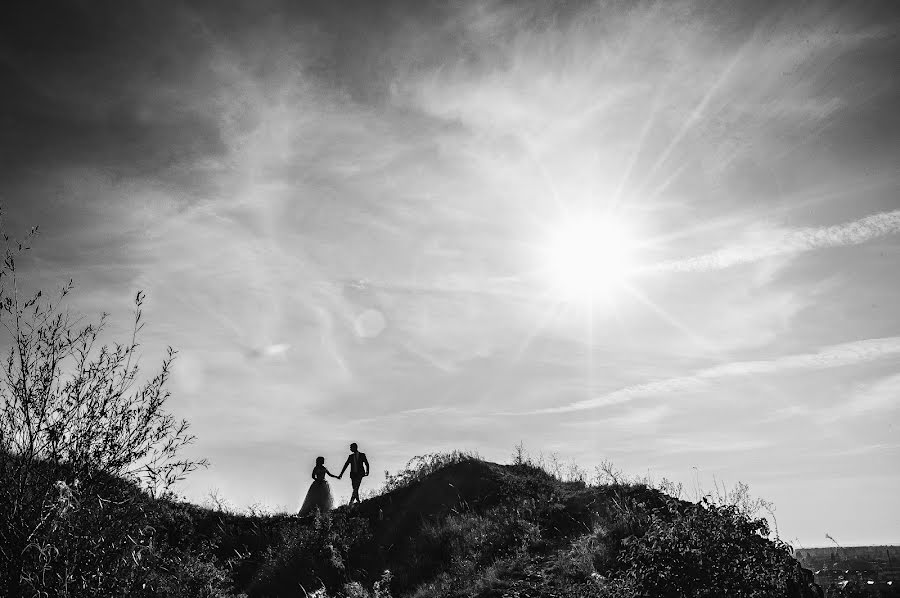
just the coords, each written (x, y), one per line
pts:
(454, 525)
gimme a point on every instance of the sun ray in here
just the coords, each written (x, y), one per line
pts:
(791, 203)
(545, 174)
(632, 161)
(701, 106)
(671, 178)
(547, 316)
(701, 342)
(695, 114)
(697, 339)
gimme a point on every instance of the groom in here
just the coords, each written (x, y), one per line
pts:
(355, 462)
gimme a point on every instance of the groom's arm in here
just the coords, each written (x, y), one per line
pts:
(346, 464)
(366, 463)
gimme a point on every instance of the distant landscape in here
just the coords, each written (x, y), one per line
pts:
(858, 565)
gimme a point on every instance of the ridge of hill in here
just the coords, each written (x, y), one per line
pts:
(474, 528)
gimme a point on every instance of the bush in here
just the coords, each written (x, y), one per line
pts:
(472, 538)
(421, 466)
(699, 550)
(81, 440)
(323, 554)
(184, 574)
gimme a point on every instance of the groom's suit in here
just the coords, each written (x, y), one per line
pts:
(359, 468)
(355, 461)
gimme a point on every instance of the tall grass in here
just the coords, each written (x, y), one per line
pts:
(421, 466)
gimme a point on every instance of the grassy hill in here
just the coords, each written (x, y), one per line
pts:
(465, 527)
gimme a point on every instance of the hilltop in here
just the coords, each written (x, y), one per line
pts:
(467, 527)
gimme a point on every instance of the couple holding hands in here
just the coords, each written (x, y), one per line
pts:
(319, 494)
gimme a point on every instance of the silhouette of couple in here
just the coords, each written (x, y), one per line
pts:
(319, 494)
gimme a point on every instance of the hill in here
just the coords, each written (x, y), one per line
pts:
(467, 527)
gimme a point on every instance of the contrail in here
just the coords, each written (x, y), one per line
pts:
(843, 354)
(790, 242)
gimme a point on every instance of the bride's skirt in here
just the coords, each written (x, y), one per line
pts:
(319, 495)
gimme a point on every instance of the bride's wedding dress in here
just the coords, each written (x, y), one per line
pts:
(318, 495)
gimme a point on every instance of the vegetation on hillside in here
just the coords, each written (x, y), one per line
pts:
(472, 528)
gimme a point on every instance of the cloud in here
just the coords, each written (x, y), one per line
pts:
(790, 242)
(880, 448)
(550, 82)
(710, 445)
(642, 420)
(832, 356)
(416, 412)
(276, 349)
(875, 397)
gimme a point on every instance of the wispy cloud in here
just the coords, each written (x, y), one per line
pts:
(707, 445)
(634, 420)
(789, 242)
(874, 397)
(832, 356)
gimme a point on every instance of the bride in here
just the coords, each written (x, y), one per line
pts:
(319, 494)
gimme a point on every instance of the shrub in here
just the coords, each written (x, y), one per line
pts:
(322, 554)
(421, 466)
(79, 439)
(701, 550)
(184, 574)
(465, 542)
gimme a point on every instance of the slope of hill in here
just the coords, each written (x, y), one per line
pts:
(452, 526)
(473, 528)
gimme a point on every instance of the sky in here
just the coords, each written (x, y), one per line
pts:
(665, 235)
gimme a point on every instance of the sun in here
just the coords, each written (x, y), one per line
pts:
(589, 257)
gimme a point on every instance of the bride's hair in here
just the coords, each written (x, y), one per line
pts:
(320, 460)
